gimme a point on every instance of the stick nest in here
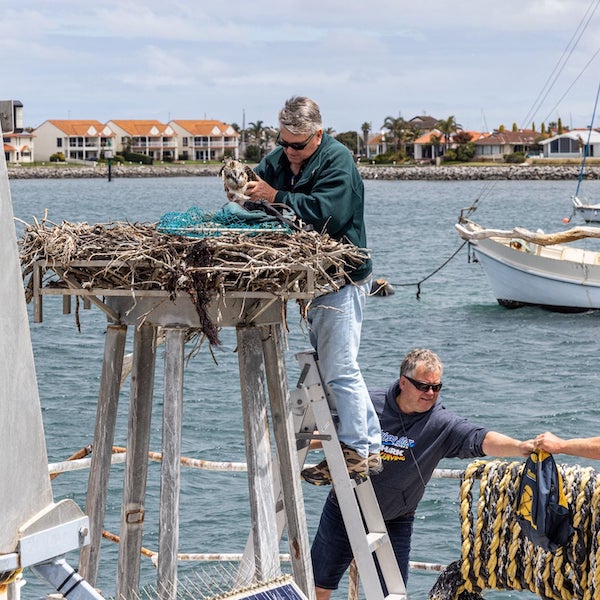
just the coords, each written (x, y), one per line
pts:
(135, 256)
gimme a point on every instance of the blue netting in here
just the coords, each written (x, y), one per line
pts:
(232, 218)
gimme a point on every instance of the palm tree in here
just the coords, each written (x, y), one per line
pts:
(365, 128)
(397, 128)
(256, 131)
(436, 142)
(448, 127)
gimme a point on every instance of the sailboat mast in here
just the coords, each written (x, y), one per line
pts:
(587, 145)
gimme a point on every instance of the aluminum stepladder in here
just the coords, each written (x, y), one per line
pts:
(312, 409)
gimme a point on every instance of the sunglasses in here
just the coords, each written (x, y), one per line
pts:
(295, 145)
(425, 387)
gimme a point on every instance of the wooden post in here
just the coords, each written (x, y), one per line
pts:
(258, 453)
(104, 433)
(66, 302)
(289, 470)
(136, 466)
(170, 481)
(38, 302)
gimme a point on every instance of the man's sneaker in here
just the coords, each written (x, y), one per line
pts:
(374, 463)
(320, 475)
(317, 475)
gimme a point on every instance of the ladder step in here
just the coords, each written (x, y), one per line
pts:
(376, 540)
(396, 597)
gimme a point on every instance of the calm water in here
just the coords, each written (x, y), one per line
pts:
(519, 372)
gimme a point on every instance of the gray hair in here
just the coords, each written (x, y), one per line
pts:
(421, 357)
(300, 115)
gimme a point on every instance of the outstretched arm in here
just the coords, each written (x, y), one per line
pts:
(583, 447)
(498, 444)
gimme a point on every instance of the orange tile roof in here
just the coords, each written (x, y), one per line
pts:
(140, 127)
(204, 127)
(9, 148)
(78, 127)
(426, 137)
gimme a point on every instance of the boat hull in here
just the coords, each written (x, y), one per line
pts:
(545, 276)
(590, 214)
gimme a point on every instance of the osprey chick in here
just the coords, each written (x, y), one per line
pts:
(236, 176)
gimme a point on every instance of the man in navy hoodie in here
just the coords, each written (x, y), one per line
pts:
(315, 175)
(417, 432)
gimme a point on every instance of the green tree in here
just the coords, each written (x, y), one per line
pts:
(397, 128)
(560, 126)
(349, 139)
(256, 131)
(447, 127)
(436, 142)
(365, 128)
(465, 149)
(515, 128)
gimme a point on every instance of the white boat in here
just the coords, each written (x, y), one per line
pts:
(590, 213)
(526, 268)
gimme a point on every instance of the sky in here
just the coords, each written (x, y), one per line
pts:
(484, 63)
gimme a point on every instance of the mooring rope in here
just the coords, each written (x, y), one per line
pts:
(436, 270)
(496, 555)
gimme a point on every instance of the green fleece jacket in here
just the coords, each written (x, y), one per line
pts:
(328, 194)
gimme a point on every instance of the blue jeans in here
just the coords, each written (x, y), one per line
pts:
(331, 553)
(335, 322)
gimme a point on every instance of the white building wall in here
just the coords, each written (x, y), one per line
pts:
(45, 141)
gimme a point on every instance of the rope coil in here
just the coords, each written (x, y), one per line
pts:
(496, 555)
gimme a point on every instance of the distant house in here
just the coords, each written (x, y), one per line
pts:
(426, 148)
(149, 137)
(75, 139)
(18, 147)
(377, 145)
(423, 122)
(572, 144)
(498, 144)
(205, 139)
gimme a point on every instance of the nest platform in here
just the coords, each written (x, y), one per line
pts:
(135, 273)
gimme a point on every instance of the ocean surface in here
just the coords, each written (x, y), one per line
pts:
(519, 372)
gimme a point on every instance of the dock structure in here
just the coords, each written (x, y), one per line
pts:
(258, 317)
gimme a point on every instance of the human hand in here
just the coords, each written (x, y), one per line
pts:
(527, 447)
(260, 190)
(548, 442)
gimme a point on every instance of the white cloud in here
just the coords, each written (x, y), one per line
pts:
(361, 61)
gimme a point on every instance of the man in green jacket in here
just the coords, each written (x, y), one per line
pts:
(315, 175)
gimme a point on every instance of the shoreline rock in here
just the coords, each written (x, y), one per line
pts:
(390, 173)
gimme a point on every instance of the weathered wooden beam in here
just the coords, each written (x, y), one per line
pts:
(38, 303)
(170, 474)
(104, 433)
(136, 466)
(289, 470)
(258, 453)
(66, 301)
